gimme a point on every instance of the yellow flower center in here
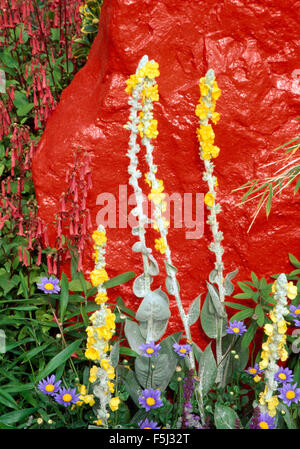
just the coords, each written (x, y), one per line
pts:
(290, 394)
(252, 370)
(282, 376)
(236, 330)
(150, 401)
(49, 286)
(49, 387)
(147, 427)
(183, 350)
(263, 425)
(297, 311)
(67, 397)
(150, 350)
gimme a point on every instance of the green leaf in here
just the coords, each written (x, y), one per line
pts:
(127, 351)
(242, 315)
(64, 296)
(120, 279)
(235, 305)
(76, 285)
(294, 261)
(260, 315)
(255, 279)
(248, 336)
(115, 354)
(24, 109)
(60, 358)
(18, 415)
(133, 335)
(225, 417)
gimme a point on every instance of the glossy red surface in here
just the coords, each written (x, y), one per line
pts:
(253, 47)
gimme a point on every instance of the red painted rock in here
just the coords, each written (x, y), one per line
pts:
(253, 47)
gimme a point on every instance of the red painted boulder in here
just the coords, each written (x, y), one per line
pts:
(253, 47)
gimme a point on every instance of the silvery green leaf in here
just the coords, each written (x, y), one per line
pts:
(170, 269)
(142, 62)
(135, 230)
(208, 319)
(130, 381)
(228, 286)
(115, 354)
(133, 335)
(135, 211)
(170, 286)
(154, 372)
(234, 365)
(153, 330)
(194, 311)
(225, 417)
(207, 371)
(140, 285)
(155, 305)
(153, 265)
(197, 351)
(138, 247)
(213, 276)
(219, 307)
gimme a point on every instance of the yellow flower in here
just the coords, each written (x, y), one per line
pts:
(216, 184)
(268, 329)
(283, 354)
(215, 117)
(114, 403)
(273, 316)
(105, 364)
(98, 422)
(291, 290)
(99, 237)
(209, 199)
(282, 327)
(274, 287)
(111, 386)
(156, 194)
(104, 332)
(93, 374)
(216, 91)
(204, 88)
(207, 133)
(89, 399)
(101, 298)
(160, 245)
(256, 379)
(150, 92)
(98, 277)
(92, 353)
(150, 69)
(131, 83)
(151, 132)
(201, 111)
(111, 372)
(147, 180)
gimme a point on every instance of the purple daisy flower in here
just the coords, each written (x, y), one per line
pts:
(48, 385)
(295, 311)
(254, 371)
(236, 327)
(289, 393)
(150, 399)
(67, 396)
(148, 424)
(297, 323)
(150, 349)
(182, 350)
(284, 375)
(49, 285)
(265, 421)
